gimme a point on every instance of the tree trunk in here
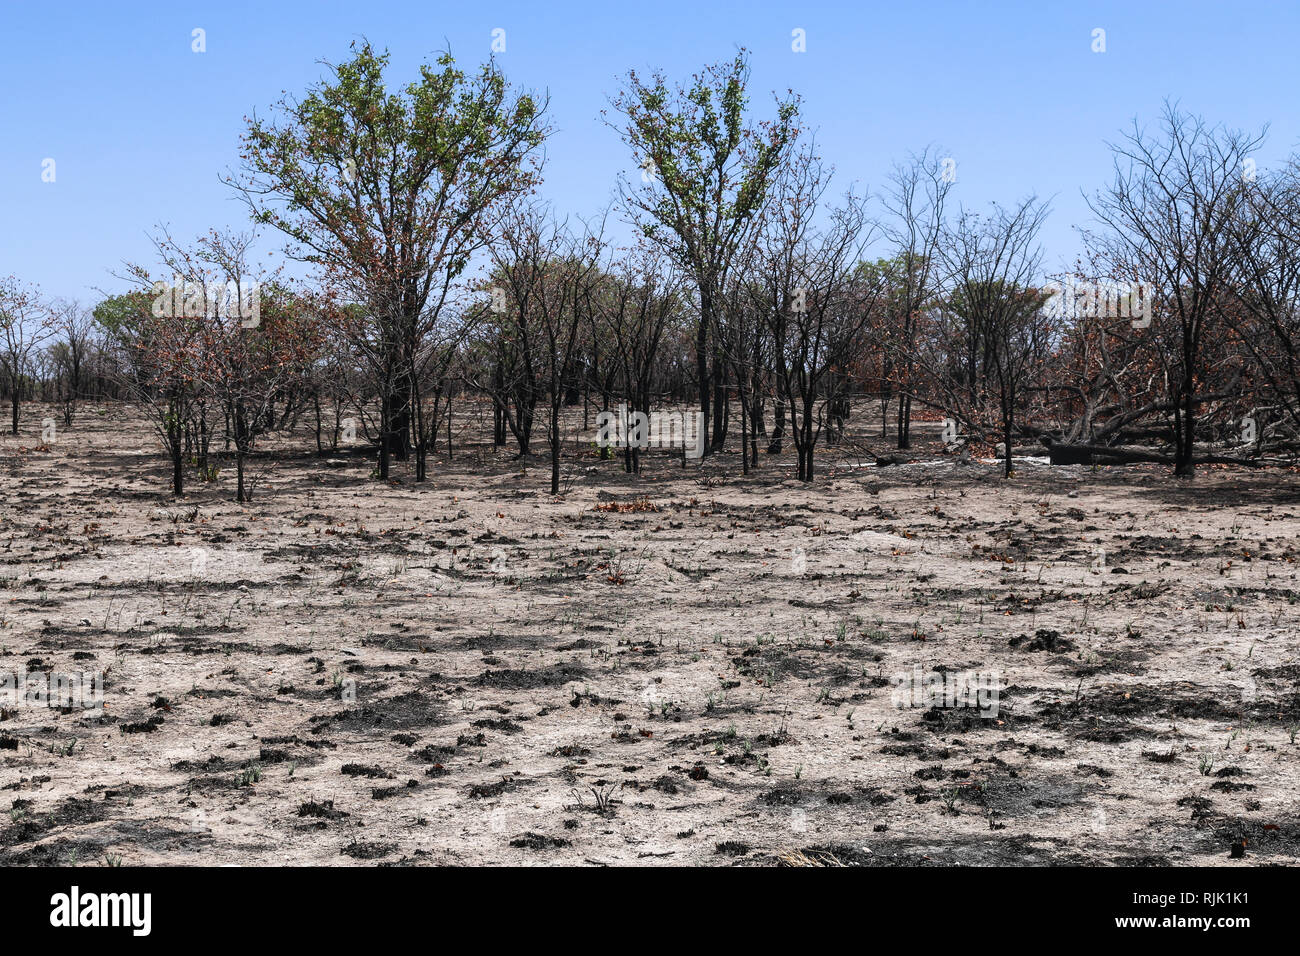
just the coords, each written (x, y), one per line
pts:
(721, 405)
(1101, 455)
(178, 472)
(555, 447)
(320, 448)
(778, 429)
(398, 438)
(383, 437)
(1006, 442)
(744, 435)
(701, 367)
(1183, 462)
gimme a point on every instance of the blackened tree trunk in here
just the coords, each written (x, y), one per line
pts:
(1008, 417)
(701, 369)
(778, 429)
(1185, 425)
(720, 404)
(384, 445)
(904, 421)
(554, 430)
(175, 445)
(398, 435)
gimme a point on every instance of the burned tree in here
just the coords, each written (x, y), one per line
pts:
(815, 301)
(996, 330)
(1169, 220)
(706, 175)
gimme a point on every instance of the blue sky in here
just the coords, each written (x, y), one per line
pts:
(140, 127)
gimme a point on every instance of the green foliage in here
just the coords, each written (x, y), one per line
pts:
(122, 316)
(709, 173)
(378, 182)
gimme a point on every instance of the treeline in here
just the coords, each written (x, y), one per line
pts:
(752, 289)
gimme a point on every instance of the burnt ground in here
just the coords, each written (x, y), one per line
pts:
(691, 667)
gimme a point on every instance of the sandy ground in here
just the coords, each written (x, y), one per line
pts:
(690, 667)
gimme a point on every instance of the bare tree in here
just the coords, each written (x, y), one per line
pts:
(1265, 291)
(551, 276)
(26, 323)
(915, 201)
(71, 354)
(1169, 216)
(993, 331)
(814, 299)
(636, 304)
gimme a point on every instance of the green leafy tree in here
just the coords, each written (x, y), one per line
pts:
(706, 177)
(390, 195)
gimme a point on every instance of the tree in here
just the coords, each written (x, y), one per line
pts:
(550, 276)
(636, 304)
(388, 193)
(993, 332)
(1264, 311)
(1169, 216)
(1103, 378)
(26, 323)
(706, 178)
(156, 357)
(247, 365)
(71, 354)
(915, 200)
(815, 301)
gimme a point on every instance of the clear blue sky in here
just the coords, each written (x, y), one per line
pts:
(140, 127)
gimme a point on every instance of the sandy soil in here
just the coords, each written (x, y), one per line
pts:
(691, 667)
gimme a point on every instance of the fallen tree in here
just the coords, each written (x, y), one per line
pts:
(1084, 454)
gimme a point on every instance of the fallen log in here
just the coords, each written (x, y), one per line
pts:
(1103, 455)
(1083, 454)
